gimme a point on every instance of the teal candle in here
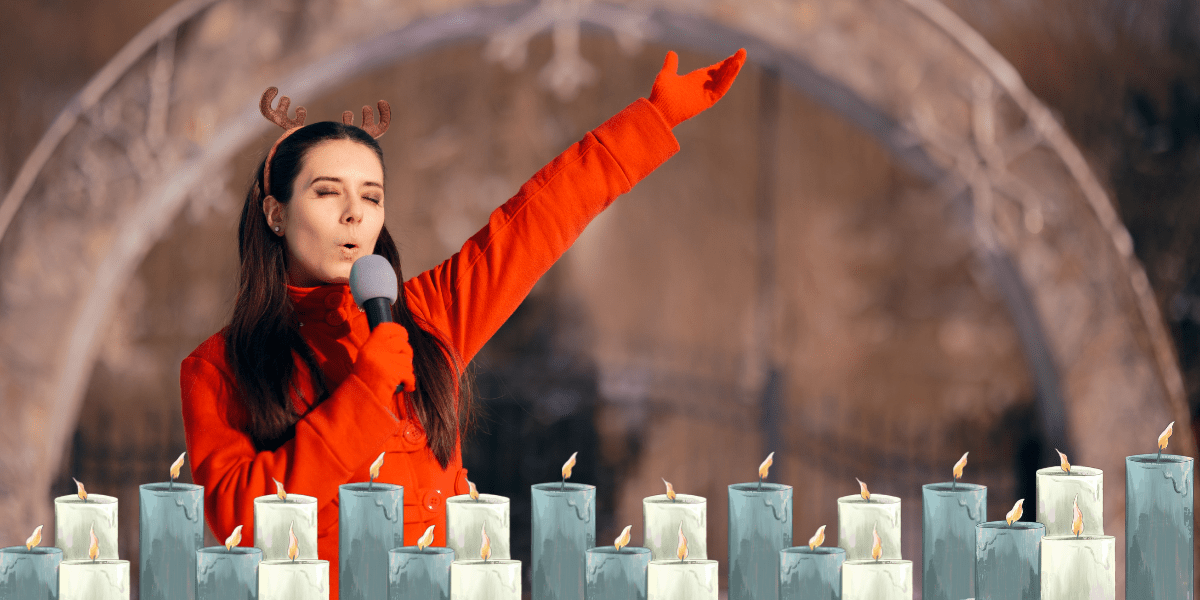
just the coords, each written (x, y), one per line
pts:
(617, 574)
(814, 574)
(760, 525)
(950, 514)
(564, 527)
(1007, 560)
(171, 532)
(227, 574)
(29, 574)
(370, 524)
(1159, 522)
(416, 574)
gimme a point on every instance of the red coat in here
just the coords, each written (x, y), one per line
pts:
(466, 298)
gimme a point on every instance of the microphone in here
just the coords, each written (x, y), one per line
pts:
(373, 285)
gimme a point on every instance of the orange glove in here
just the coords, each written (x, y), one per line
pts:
(681, 97)
(386, 361)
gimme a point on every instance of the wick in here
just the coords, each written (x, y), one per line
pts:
(1157, 458)
(953, 484)
(564, 485)
(370, 482)
(758, 489)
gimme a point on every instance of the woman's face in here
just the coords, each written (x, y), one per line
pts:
(335, 214)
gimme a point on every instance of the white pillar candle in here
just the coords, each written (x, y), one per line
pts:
(661, 517)
(857, 518)
(74, 519)
(1079, 568)
(93, 579)
(1056, 491)
(465, 518)
(485, 580)
(674, 579)
(877, 579)
(273, 518)
(293, 579)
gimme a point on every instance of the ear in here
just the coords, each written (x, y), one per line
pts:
(274, 211)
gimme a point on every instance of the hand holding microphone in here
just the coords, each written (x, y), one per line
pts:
(386, 357)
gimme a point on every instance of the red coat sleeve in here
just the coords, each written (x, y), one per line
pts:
(470, 295)
(331, 443)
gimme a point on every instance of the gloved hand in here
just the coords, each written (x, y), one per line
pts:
(681, 97)
(386, 361)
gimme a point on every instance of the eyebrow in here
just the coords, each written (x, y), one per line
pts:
(338, 180)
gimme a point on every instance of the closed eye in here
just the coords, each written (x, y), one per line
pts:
(372, 199)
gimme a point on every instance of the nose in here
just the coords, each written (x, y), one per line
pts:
(353, 212)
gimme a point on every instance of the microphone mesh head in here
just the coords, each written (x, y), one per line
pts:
(372, 276)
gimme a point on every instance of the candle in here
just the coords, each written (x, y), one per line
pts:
(950, 512)
(1008, 558)
(564, 527)
(811, 572)
(877, 579)
(419, 572)
(485, 580)
(276, 515)
(760, 525)
(171, 532)
(680, 578)
(662, 513)
(859, 515)
(1079, 568)
(370, 524)
(617, 572)
(1159, 523)
(229, 572)
(1056, 489)
(293, 579)
(92, 578)
(76, 515)
(468, 514)
(30, 572)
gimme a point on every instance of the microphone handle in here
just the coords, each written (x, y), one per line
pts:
(379, 310)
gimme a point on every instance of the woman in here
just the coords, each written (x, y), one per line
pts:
(298, 389)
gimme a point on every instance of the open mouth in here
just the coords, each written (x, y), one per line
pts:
(350, 246)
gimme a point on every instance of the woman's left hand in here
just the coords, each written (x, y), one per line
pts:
(681, 97)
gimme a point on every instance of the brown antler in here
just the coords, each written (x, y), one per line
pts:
(279, 116)
(369, 125)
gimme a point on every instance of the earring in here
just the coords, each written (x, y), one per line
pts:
(276, 229)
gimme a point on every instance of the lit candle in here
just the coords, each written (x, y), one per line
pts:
(950, 512)
(293, 579)
(760, 525)
(1079, 567)
(564, 527)
(467, 515)
(1159, 523)
(277, 515)
(811, 572)
(93, 578)
(172, 531)
(877, 579)
(370, 524)
(617, 572)
(1056, 489)
(420, 572)
(682, 579)
(1008, 557)
(228, 572)
(76, 515)
(662, 513)
(485, 579)
(861, 514)
(30, 572)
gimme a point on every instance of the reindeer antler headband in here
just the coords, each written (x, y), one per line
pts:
(279, 116)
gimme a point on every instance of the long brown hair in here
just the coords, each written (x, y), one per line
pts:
(263, 339)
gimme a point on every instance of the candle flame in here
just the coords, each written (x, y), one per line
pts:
(176, 466)
(566, 470)
(81, 490)
(426, 538)
(862, 489)
(1063, 462)
(1014, 515)
(375, 466)
(682, 550)
(766, 466)
(94, 547)
(473, 491)
(958, 466)
(234, 538)
(817, 539)
(485, 549)
(293, 543)
(877, 545)
(670, 490)
(1077, 518)
(279, 491)
(623, 539)
(1164, 436)
(34, 539)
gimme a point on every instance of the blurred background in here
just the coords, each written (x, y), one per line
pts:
(912, 229)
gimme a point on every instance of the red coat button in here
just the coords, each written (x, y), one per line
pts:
(432, 501)
(413, 436)
(335, 318)
(333, 300)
